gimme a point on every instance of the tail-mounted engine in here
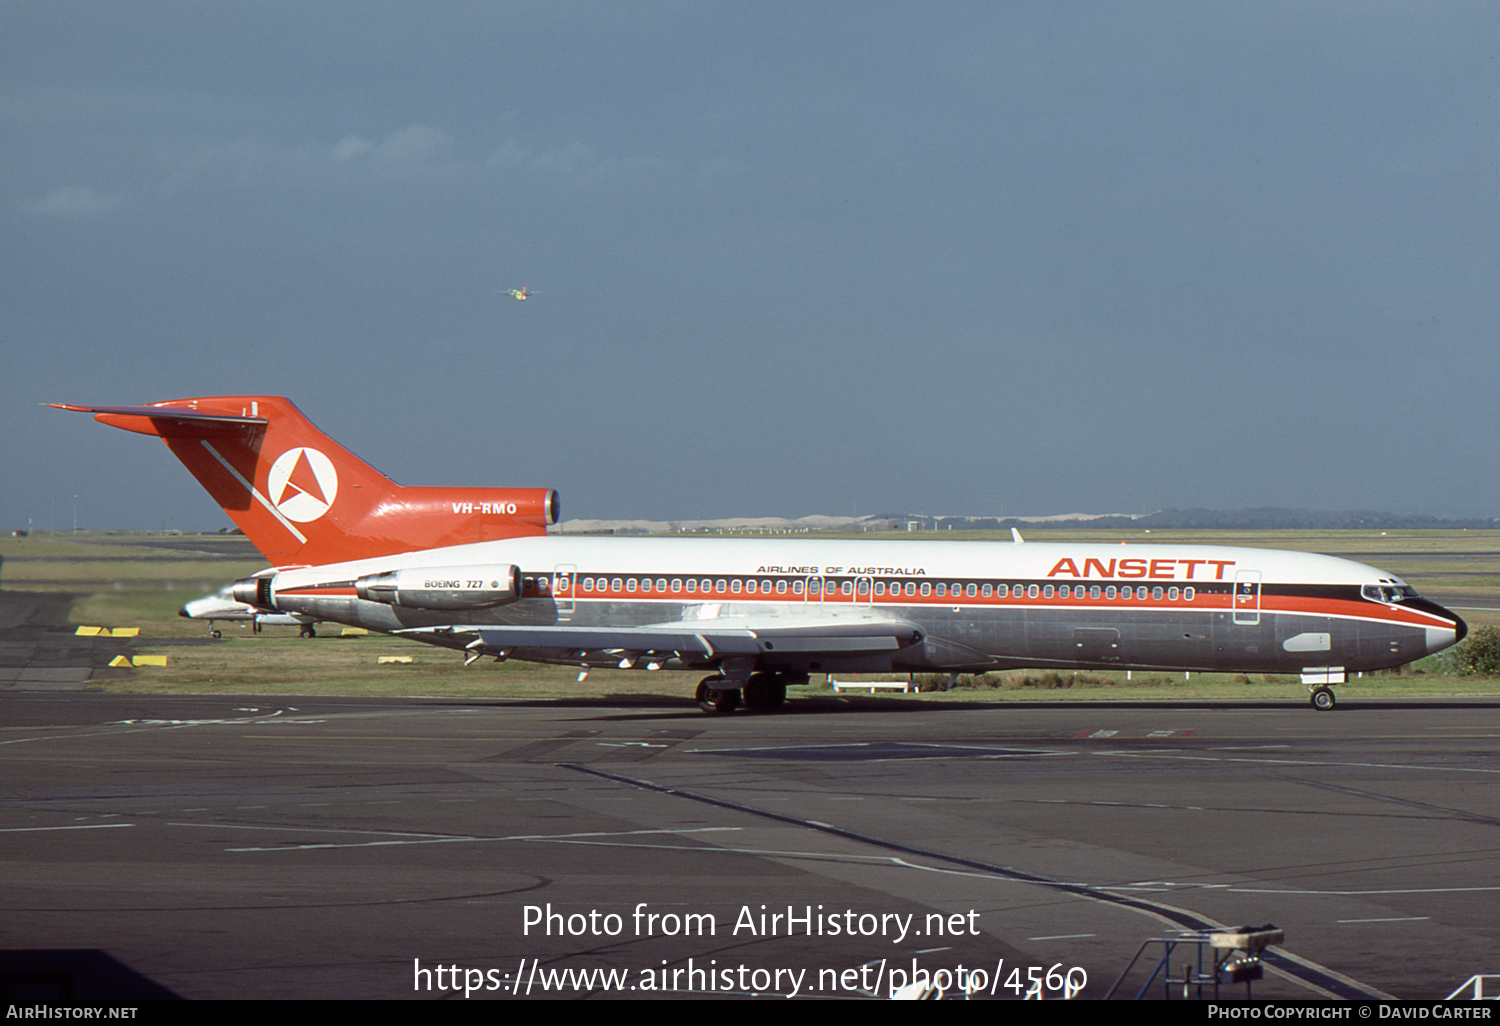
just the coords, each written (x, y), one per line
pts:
(256, 591)
(447, 587)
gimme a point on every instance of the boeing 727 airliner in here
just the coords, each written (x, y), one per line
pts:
(757, 615)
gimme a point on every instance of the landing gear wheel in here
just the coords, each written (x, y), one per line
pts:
(717, 703)
(1322, 699)
(216, 634)
(310, 631)
(765, 691)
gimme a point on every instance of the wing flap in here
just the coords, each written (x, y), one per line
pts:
(711, 639)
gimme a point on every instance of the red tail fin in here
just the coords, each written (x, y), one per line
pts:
(302, 498)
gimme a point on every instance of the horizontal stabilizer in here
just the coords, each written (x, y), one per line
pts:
(161, 413)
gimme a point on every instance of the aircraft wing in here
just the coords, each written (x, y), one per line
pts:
(728, 636)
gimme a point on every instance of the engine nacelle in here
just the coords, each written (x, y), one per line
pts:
(255, 591)
(443, 587)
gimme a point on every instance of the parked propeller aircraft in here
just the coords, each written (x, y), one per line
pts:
(756, 615)
(224, 608)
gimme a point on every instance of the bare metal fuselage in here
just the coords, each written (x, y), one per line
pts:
(938, 606)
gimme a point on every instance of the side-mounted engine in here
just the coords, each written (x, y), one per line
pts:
(443, 587)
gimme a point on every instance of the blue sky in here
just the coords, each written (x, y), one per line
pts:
(986, 258)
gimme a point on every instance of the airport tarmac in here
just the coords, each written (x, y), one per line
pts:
(224, 847)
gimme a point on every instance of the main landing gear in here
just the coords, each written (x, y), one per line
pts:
(1322, 699)
(720, 701)
(717, 695)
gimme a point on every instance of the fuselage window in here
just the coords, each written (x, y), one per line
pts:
(1156, 593)
(1141, 593)
(1033, 591)
(661, 584)
(1172, 594)
(862, 586)
(796, 587)
(692, 586)
(879, 588)
(1048, 591)
(1109, 592)
(942, 589)
(616, 585)
(676, 584)
(722, 586)
(707, 586)
(588, 584)
(630, 584)
(814, 586)
(1094, 592)
(646, 584)
(734, 586)
(1002, 590)
(987, 590)
(1125, 594)
(1187, 594)
(847, 588)
(781, 587)
(926, 589)
(974, 590)
(958, 589)
(911, 587)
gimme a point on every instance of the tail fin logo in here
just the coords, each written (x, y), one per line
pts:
(302, 484)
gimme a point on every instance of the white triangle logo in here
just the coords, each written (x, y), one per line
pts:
(302, 484)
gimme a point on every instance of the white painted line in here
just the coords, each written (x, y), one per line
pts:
(460, 838)
(82, 826)
(1300, 762)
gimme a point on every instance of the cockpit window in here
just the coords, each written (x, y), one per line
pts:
(1388, 593)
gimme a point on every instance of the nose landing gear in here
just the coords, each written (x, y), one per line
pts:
(1322, 698)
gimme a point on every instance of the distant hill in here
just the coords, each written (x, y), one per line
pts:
(1265, 518)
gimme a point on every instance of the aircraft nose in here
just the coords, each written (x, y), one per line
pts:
(1439, 638)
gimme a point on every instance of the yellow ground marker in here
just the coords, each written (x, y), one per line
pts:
(355, 632)
(150, 660)
(90, 632)
(382, 660)
(119, 661)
